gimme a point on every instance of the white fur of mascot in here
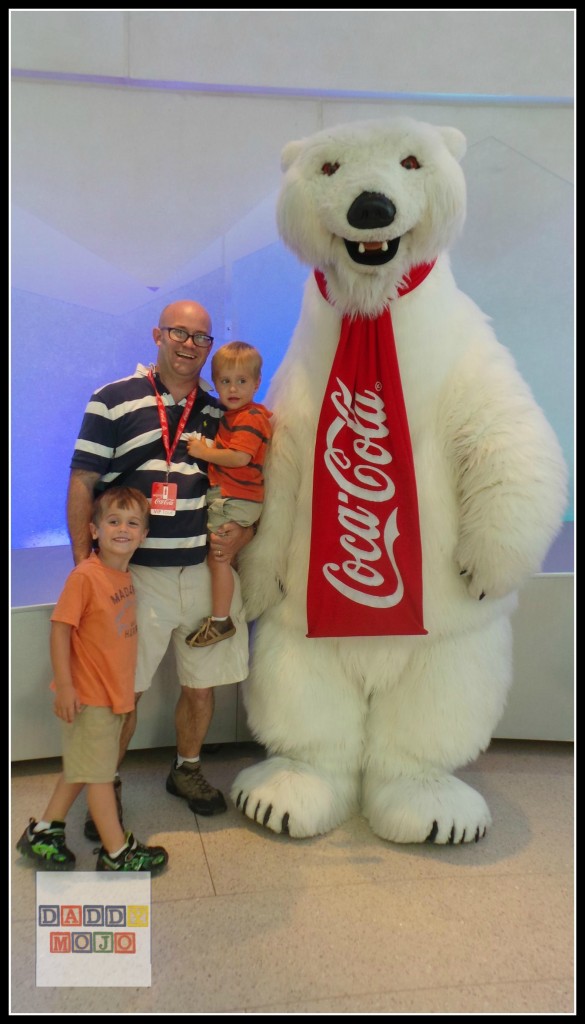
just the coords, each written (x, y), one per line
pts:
(360, 704)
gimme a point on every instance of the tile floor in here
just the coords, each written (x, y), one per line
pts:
(244, 921)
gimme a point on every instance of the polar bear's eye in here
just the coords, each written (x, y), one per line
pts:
(410, 163)
(330, 169)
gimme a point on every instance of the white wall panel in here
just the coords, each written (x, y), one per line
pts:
(73, 42)
(525, 52)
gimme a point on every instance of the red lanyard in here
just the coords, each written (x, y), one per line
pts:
(164, 425)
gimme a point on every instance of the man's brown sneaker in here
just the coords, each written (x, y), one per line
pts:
(189, 782)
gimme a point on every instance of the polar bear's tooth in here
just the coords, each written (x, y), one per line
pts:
(361, 247)
(384, 246)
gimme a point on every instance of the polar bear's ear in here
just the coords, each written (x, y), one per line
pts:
(455, 142)
(290, 153)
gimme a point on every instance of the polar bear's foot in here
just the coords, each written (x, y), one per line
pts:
(416, 810)
(294, 797)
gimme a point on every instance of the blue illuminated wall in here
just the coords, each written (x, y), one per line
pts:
(514, 257)
(61, 353)
(267, 288)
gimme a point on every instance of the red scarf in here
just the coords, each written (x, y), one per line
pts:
(365, 568)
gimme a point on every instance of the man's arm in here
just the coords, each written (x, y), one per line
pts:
(79, 508)
(231, 539)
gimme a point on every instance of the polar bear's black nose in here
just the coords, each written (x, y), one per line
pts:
(371, 210)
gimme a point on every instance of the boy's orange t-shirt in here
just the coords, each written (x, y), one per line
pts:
(244, 430)
(100, 604)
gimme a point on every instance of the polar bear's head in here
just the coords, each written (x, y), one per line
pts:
(366, 201)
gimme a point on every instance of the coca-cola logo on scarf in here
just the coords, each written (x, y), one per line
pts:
(365, 567)
(364, 484)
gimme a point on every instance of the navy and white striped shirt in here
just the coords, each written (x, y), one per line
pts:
(121, 439)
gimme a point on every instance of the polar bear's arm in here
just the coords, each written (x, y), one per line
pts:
(510, 473)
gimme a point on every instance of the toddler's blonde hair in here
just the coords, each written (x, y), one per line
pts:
(237, 353)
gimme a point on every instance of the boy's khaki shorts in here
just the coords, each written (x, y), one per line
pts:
(91, 745)
(171, 602)
(230, 510)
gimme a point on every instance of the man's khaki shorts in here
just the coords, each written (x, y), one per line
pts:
(171, 602)
(91, 745)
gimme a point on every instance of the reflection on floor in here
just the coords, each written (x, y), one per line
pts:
(244, 921)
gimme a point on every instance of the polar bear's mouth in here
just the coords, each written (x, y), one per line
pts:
(372, 254)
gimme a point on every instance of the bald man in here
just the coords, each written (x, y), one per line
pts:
(134, 432)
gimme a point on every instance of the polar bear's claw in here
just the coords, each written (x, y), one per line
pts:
(294, 798)
(479, 834)
(433, 833)
(441, 810)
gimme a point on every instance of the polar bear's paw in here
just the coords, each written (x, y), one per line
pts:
(416, 810)
(294, 797)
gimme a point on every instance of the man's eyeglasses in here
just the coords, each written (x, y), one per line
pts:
(179, 335)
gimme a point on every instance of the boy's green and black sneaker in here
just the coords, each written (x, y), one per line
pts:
(134, 857)
(46, 847)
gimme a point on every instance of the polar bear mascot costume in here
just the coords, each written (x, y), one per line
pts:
(412, 485)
